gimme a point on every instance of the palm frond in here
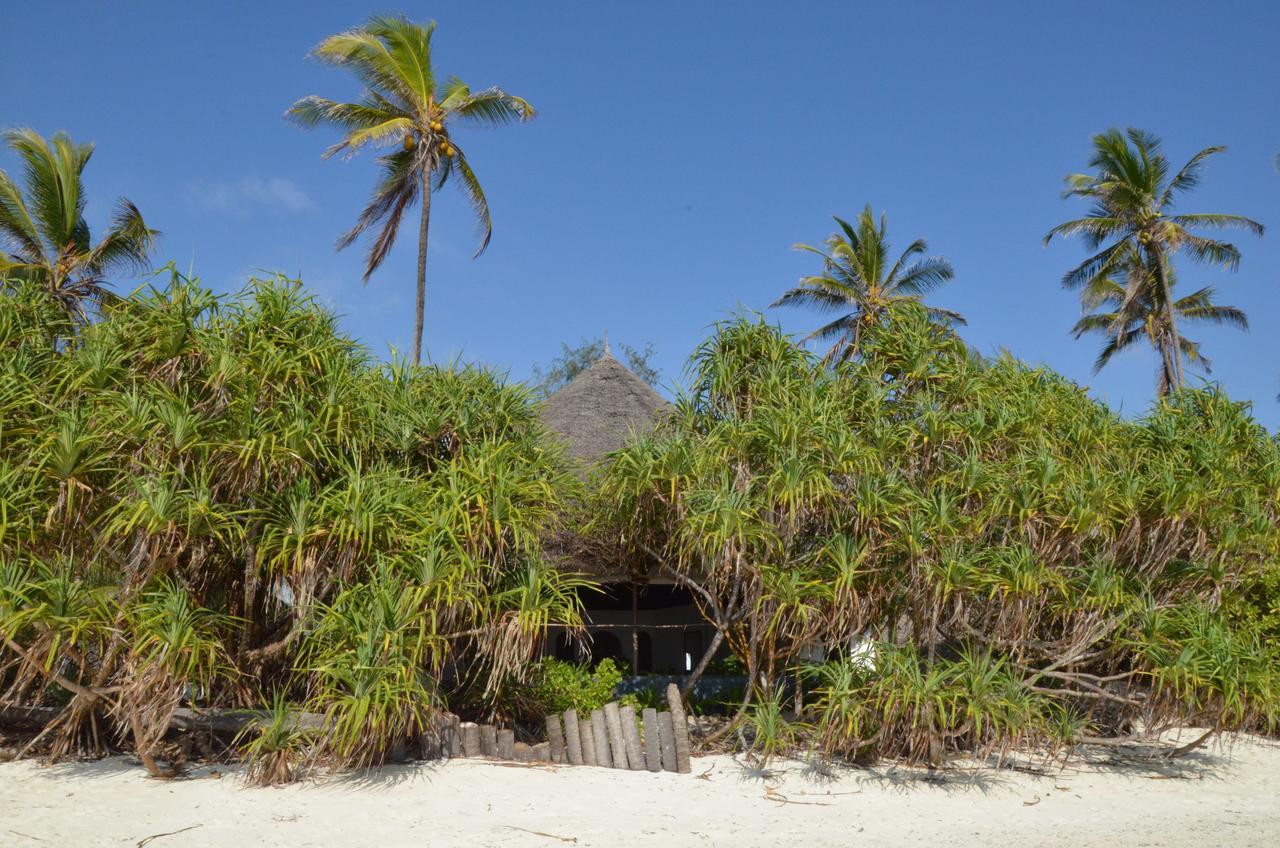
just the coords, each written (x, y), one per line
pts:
(1101, 264)
(923, 277)
(1219, 222)
(821, 298)
(127, 244)
(491, 107)
(391, 131)
(312, 111)
(475, 194)
(363, 52)
(18, 229)
(52, 174)
(396, 191)
(1188, 177)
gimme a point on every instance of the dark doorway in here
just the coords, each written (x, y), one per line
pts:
(644, 653)
(606, 645)
(565, 649)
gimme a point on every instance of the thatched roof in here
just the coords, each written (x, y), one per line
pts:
(600, 408)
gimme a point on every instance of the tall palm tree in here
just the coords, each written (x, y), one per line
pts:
(1123, 319)
(405, 109)
(858, 281)
(1132, 194)
(43, 234)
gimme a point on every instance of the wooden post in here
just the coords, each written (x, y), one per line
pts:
(600, 733)
(542, 753)
(681, 727)
(617, 745)
(667, 741)
(431, 738)
(635, 630)
(573, 739)
(522, 752)
(453, 736)
(506, 744)
(652, 740)
(631, 737)
(470, 739)
(436, 738)
(489, 740)
(555, 739)
(587, 741)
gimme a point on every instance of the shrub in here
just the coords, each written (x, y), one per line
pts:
(275, 746)
(557, 686)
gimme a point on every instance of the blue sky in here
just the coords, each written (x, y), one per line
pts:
(681, 149)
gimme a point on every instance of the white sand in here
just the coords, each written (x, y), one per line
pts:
(1214, 798)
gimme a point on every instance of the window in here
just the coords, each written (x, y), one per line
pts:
(692, 649)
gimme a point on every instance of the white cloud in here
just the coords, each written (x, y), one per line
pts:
(241, 197)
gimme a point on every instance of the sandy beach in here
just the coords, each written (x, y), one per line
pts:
(1225, 796)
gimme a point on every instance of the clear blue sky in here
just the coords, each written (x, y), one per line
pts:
(681, 149)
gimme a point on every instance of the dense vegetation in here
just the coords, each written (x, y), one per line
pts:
(910, 550)
(223, 499)
(1024, 565)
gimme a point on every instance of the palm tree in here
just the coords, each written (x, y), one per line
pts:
(44, 238)
(1132, 194)
(404, 108)
(1124, 320)
(857, 280)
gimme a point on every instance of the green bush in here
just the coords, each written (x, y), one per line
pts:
(558, 686)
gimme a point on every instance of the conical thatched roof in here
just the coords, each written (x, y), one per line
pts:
(600, 408)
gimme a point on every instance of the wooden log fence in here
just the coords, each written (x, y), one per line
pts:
(617, 746)
(681, 729)
(667, 741)
(555, 739)
(600, 734)
(631, 738)
(488, 740)
(506, 744)
(586, 733)
(611, 737)
(653, 739)
(572, 738)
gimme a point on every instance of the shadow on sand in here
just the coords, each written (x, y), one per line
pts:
(1139, 762)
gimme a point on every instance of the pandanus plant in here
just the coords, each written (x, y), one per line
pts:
(210, 498)
(985, 557)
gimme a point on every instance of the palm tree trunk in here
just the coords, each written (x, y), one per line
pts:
(1175, 341)
(1167, 383)
(422, 266)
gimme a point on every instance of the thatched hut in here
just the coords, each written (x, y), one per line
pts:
(642, 619)
(597, 411)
